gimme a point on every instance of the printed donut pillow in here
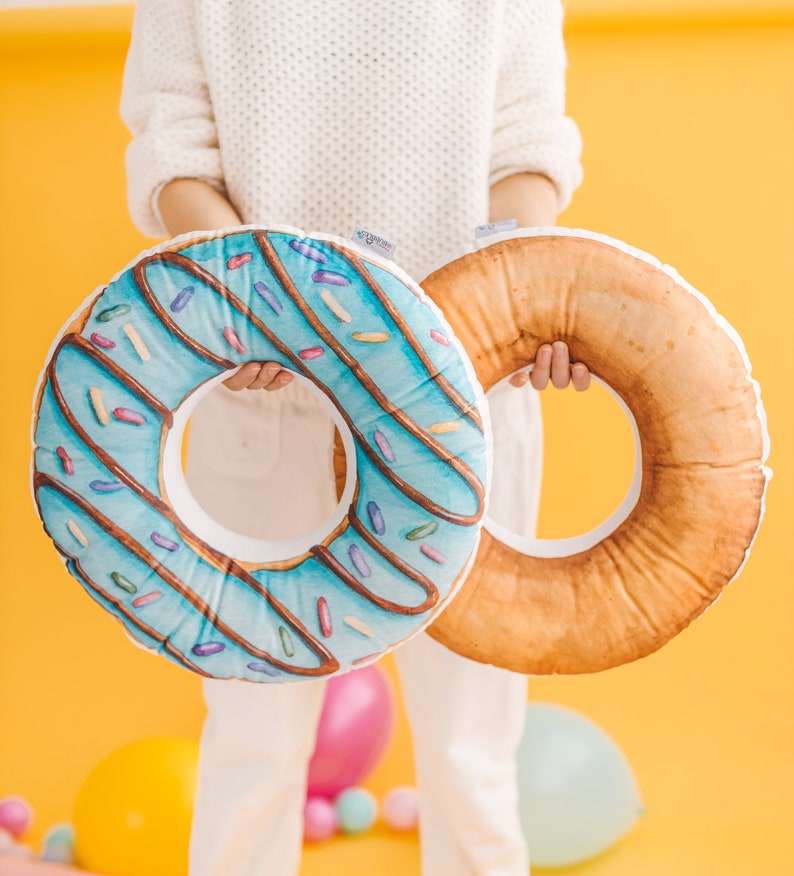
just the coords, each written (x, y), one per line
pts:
(688, 522)
(111, 409)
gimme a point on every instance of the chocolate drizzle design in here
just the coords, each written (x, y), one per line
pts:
(62, 421)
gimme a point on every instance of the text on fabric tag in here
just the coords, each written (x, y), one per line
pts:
(374, 242)
(495, 228)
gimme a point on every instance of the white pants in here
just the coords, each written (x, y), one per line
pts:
(466, 718)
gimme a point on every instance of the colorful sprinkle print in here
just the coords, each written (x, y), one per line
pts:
(137, 342)
(182, 300)
(324, 617)
(270, 297)
(309, 251)
(422, 531)
(445, 427)
(106, 486)
(163, 542)
(432, 554)
(124, 583)
(146, 599)
(370, 337)
(102, 341)
(66, 461)
(127, 415)
(367, 658)
(264, 669)
(232, 339)
(311, 353)
(207, 649)
(358, 560)
(98, 404)
(77, 532)
(331, 278)
(383, 445)
(286, 642)
(355, 623)
(238, 261)
(113, 312)
(376, 518)
(332, 303)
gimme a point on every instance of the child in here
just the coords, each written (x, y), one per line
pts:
(418, 121)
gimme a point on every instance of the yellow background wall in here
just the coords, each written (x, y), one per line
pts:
(686, 114)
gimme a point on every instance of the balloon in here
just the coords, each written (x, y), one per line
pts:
(400, 809)
(356, 809)
(132, 814)
(355, 728)
(320, 821)
(577, 792)
(58, 844)
(15, 815)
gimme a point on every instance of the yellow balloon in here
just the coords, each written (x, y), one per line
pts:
(132, 814)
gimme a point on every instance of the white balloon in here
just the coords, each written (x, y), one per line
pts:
(578, 794)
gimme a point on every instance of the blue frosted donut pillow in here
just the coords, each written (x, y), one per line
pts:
(111, 408)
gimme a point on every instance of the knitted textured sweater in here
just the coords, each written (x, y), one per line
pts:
(327, 114)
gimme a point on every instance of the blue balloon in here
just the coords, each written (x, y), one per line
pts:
(577, 792)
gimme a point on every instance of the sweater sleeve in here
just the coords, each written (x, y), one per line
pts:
(165, 104)
(531, 132)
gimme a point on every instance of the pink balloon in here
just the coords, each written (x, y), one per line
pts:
(355, 728)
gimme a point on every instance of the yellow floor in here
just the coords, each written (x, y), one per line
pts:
(378, 850)
(653, 848)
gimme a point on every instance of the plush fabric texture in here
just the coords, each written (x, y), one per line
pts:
(111, 410)
(340, 114)
(624, 589)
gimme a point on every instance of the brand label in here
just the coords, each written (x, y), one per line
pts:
(374, 242)
(495, 228)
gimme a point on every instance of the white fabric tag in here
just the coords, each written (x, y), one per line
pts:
(368, 240)
(495, 228)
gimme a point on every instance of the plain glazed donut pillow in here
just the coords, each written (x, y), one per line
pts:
(683, 374)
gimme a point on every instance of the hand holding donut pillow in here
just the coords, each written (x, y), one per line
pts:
(687, 525)
(577, 606)
(114, 398)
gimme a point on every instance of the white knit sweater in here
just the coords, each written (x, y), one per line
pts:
(327, 114)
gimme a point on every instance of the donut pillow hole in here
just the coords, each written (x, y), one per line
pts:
(504, 530)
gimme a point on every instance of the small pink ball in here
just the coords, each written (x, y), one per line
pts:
(400, 809)
(319, 819)
(15, 816)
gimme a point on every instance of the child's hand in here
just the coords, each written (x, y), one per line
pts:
(552, 361)
(259, 375)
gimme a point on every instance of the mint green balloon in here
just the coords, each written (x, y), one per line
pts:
(577, 793)
(356, 809)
